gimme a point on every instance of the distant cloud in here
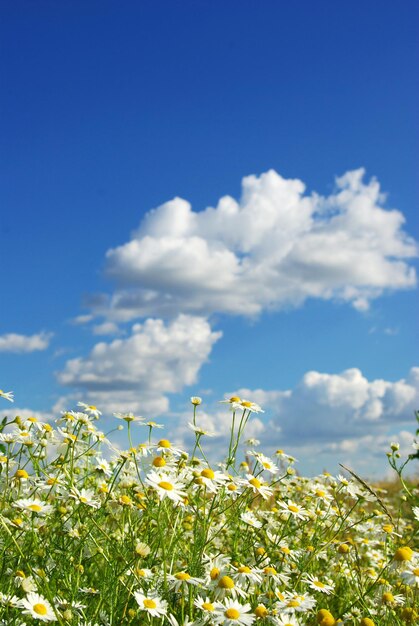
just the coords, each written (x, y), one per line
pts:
(327, 409)
(274, 248)
(137, 372)
(20, 344)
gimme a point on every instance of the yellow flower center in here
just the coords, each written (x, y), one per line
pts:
(255, 482)
(226, 583)
(182, 576)
(92, 407)
(319, 584)
(231, 487)
(269, 571)
(366, 621)
(293, 603)
(40, 609)
(246, 404)
(164, 443)
(21, 473)
(388, 528)
(125, 500)
(388, 597)
(214, 573)
(243, 569)
(83, 499)
(207, 606)
(149, 604)
(163, 484)
(320, 493)
(35, 507)
(325, 618)
(232, 614)
(234, 399)
(208, 473)
(159, 461)
(32, 419)
(261, 611)
(403, 554)
(293, 508)
(415, 571)
(285, 550)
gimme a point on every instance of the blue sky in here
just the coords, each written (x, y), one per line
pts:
(108, 112)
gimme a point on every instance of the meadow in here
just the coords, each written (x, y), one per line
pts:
(97, 536)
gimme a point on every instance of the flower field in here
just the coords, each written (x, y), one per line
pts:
(94, 535)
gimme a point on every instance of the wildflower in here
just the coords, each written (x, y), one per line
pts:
(7, 395)
(267, 463)
(243, 574)
(200, 431)
(249, 518)
(90, 409)
(296, 603)
(85, 496)
(196, 400)
(293, 509)
(181, 579)
(403, 554)
(366, 621)
(325, 618)
(252, 407)
(152, 604)
(129, 417)
(142, 549)
(390, 600)
(258, 486)
(206, 606)
(211, 479)
(232, 613)
(411, 575)
(164, 445)
(286, 620)
(34, 505)
(166, 486)
(38, 608)
(318, 585)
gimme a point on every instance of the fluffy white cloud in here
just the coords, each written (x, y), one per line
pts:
(328, 409)
(135, 373)
(274, 248)
(12, 342)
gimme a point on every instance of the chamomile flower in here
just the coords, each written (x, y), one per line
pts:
(232, 613)
(90, 409)
(85, 496)
(7, 395)
(200, 431)
(183, 579)
(252, 407)
(411, 575)
(318, 585)
(34, 505)
(244, 574)
(206, 605)
(166, 486)
(164, 445)
(151, 604)
(258, 486)
(250, 519)
(129, 417)
(294, 509)
(38, 607)
(266, 463)
(211, 479)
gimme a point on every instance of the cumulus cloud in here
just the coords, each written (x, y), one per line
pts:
(274, 248)
(328, 409)
(12, 342)
(136, 373)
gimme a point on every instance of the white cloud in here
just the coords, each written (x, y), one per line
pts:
(106, 328)
(137, 372)
(274, 248)
(12, 342)
(329, 408)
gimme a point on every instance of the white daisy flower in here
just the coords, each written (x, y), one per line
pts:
(7, 395)
(90, 409)
(38, 607)
(250, 518)
(129, 417)
(293, 509)
(34, 505)
(152, 604)
(411, 575)
(166, 486)
(318, 585)
(232, 613)
(258, 486)
(183, 579)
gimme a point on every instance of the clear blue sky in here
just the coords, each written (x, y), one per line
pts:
(110, 109)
